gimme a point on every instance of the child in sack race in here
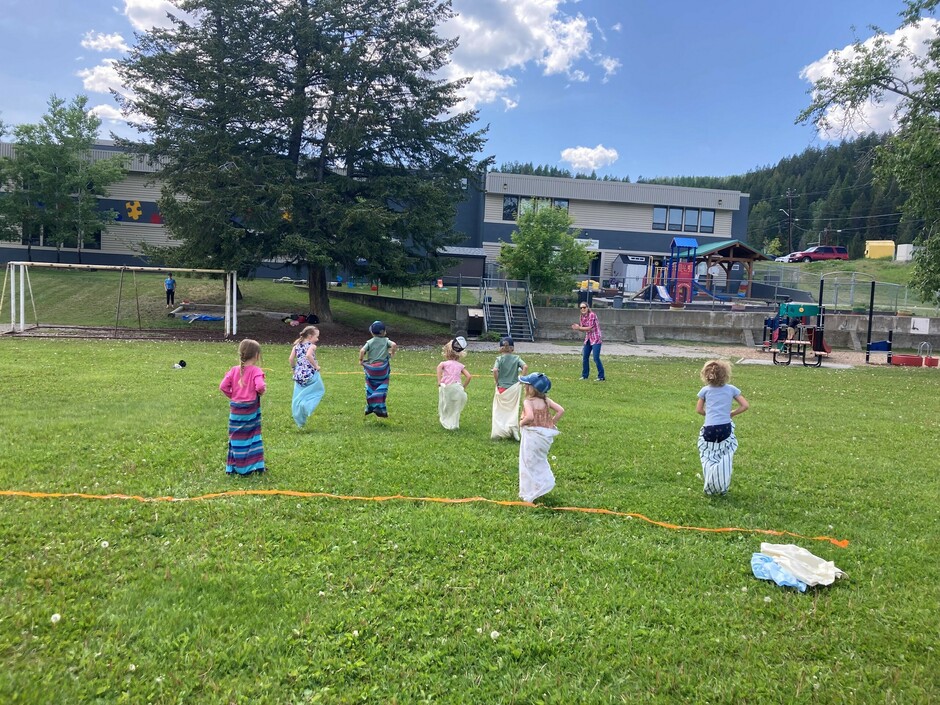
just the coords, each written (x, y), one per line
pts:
(716, 440)
(308, 383)
(506, 371)
(243, 385)
(452, 380)
(538, 424)
(376, 360)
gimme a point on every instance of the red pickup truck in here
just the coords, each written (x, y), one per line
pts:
(820, 252)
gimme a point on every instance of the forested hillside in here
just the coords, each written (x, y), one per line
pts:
(832, 198)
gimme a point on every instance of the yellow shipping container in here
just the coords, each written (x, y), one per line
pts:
(875, 249)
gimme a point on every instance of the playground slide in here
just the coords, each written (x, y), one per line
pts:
(699, 289)
(653, 293)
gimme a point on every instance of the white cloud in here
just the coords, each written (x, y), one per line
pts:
(107, 113)
(876, 116)
(101, 78)
(146, 14)
(485, 87)
(587, 159)
(501, 39)
(104, 42)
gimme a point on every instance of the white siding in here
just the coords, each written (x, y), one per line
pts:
(613, 191)
(135, 187)
(126, 238)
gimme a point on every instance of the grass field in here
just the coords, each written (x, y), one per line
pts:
(289, 599)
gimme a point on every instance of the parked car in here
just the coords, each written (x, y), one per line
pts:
(818, 253)
(785, 258)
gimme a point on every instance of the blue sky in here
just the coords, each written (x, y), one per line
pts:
(626, 87)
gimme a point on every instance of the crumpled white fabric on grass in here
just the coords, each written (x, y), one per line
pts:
(796, 562)
(765, 568)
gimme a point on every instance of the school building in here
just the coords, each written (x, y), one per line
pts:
(630, 226)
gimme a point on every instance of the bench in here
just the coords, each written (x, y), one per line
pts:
(799, 348)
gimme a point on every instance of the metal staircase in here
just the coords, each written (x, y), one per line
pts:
(508, 309)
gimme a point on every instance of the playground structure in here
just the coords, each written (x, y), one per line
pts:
(797, 331)
(719, 265)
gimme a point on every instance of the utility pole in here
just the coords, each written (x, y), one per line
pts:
(790, 196)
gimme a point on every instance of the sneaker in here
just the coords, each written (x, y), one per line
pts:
(382, 414)
(600, 379)
(368, 411)
(583, 379)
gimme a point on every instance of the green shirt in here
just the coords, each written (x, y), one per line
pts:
(508, 366)
(377, 349)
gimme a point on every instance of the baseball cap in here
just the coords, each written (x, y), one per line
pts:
(506, 340)
(458, 344)
(377, 328)
(538, 380)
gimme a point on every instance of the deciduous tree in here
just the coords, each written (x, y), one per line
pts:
(877, 69)
(545, 250)
(53, 182)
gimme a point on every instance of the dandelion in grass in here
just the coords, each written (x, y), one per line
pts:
(355, 632)
(744, 589)
(767, 599)
(55, 618)
(131, 667)
(321, 593)
(104, 544)
(494, 635)
(479, 629)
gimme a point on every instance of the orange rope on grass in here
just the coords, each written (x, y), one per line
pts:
(841, 543)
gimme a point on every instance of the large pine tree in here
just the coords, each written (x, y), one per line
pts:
(317, 131)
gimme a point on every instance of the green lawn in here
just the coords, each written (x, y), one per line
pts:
(278, 599)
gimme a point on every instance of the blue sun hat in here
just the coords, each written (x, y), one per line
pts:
(377, 328)
(506, 340)
(539, 381)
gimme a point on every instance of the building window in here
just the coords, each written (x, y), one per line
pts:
(92, 241)
(526, 205)
(691, 220)
(560, 203)
(675, 219)
(659, 217)
(510, 207)
(708, 222)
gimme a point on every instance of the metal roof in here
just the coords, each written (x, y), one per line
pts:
(612, 191)
(735, 250)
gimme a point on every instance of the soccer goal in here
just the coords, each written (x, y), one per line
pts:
(17, 276)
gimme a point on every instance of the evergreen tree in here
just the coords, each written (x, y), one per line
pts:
(311, 130)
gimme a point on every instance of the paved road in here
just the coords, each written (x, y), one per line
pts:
(624, 349)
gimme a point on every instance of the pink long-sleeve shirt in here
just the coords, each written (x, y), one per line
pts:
(251, 384)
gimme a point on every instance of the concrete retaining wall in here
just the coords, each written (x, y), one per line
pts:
(843, 331)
